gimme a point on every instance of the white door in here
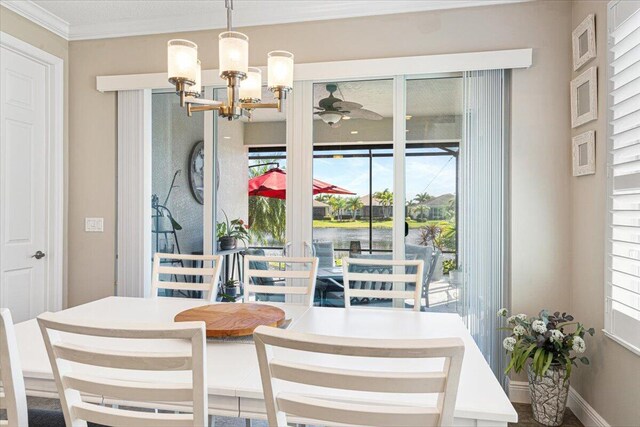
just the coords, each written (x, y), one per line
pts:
(23, 186)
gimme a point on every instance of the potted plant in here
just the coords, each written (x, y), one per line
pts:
(229, 232)
(548, 349)
(230, 290)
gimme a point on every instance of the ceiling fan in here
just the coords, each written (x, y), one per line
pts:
(333, 109)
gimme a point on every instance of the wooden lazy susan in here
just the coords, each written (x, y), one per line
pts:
(233, 320)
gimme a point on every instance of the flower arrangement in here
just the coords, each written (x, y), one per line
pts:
(544, 339)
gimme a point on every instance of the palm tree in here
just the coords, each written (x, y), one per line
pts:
(422, 211)
(386, 200)
(267, 216)
(338, 204)
(421, 198)
(353, 204)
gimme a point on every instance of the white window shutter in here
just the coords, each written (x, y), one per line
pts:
(622, 314)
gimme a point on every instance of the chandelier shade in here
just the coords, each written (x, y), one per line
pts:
(182, 60)
(196, 89)
(280, 69)
(233, 53)
(251, 86)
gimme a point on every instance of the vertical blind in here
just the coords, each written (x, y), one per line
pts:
(622, 309)
(483, 178)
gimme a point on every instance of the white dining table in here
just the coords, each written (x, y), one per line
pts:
(233, 376)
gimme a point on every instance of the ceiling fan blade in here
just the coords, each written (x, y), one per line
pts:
(346, 105)
(363, 113)
(318, 108)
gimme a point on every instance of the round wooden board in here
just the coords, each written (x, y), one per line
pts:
(233, 320)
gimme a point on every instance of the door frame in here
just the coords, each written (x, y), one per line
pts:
(56, 196)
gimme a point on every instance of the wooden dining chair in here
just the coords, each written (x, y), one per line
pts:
(368, 278)
(210, 275)
(279, 373)
(132, 375)
(256, 270)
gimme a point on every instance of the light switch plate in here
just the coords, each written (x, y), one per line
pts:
(94, 225)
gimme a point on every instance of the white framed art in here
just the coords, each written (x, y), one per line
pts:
(583, 42)
(584, 98)
(583, 148)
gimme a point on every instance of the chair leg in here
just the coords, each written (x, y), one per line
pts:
(212, 420)
(247, 422)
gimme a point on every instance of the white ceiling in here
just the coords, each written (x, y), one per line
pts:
(93, 19)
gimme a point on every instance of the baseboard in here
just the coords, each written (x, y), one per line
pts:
(519, 393)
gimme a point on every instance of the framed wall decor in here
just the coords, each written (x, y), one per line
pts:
(583, 41)
(584, 98)
(583, 149)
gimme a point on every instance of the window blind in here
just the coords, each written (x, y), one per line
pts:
(622, 309)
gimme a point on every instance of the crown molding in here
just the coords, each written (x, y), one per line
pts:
(248, 17)
(40, 16)
(313, 11)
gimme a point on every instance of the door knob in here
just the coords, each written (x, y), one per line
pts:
(38, 255)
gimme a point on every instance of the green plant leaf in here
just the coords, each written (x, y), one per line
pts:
(584, 360)
(536, 357)
(547, 363)
(175, 224)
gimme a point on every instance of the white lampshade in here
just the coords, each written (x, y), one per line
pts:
(233, 52)
(330, 117)
(280, 73)
(251, 87)
(182, 60)
(196, 89)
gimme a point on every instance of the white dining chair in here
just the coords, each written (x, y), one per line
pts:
(257, 273)
(210, 275)
(13, 397)
(284, 398)
(131, 375)
(377, 278)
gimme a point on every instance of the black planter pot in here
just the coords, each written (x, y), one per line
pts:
(227, 242)
(232, 291)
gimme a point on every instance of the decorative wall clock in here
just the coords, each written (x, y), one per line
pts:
(196, 171)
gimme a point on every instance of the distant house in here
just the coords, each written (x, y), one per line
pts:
(437, 207)
(320, 209)
(376, 208)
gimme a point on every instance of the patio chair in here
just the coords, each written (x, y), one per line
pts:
(430, 256)
(262, 281)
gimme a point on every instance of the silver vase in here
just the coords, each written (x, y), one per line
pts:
(548, 395)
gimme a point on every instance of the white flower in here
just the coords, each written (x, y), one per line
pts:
(578, 345)
(556, 336)
(511, 319)
(539, 326)
(502, 312)
(509, 343)
(521, 316)
(519, 330)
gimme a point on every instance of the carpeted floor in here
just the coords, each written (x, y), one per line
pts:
(525, 416)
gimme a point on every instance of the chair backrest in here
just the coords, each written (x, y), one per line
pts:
(280, 401)
(253, 275)
(430, 256)
(13, 397)
(376, 278)
(133, 371)
(325, 253)
(210, 275)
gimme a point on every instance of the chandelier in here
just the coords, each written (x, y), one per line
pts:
(244, 83)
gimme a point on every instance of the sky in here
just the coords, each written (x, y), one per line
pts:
(435, 175)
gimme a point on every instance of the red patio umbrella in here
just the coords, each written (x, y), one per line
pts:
(273, 183)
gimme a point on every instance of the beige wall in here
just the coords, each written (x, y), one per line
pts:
(540, 181)
(25, 30)
(611, 384)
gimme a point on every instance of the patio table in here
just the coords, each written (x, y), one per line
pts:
(233, 376)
